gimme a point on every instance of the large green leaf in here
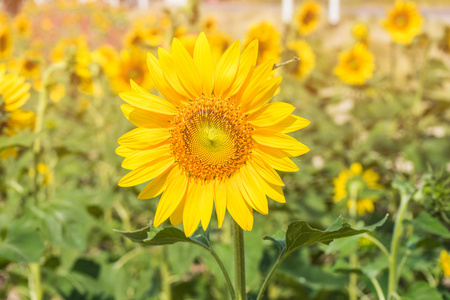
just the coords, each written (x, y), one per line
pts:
(152, 236)
(431, 225)
(422, 290)
(300, 234)
(22, 243)
(24, 139)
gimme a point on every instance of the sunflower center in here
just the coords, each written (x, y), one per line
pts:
(401, 20)
(353, 63)
(309, 17)
(210, 138)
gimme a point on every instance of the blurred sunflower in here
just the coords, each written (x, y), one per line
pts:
(136, 37)
(361, 33)
(268, 41)
(22, 25)
(403, 22)
(354, 184)
(131, 65)
(209, 24)
(219, 41)
(445, 263)
(108, 59)
(356, 65)
(5, 41)
(307, 58)
(444, 42)
(30, 65)
(14, 93)
(212, 139)
(308, 17)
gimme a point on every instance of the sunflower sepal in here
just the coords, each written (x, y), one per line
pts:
(160, 236)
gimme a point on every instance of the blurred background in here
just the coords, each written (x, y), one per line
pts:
(373, 79)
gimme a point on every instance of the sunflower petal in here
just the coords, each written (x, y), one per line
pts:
(220, 201)
(226, 69)
(191, 213)
(147, 172)
(238, 208)
(142, 118)
(281, 164)
(158, 185)
(266, 171)
(186, 69)
(160, 82)
(206, 204)
(139, 138)
(177, 216)
(149, 102)
(172, 196)
(205, 63)
(280, 141)
(142, 157)
(270, 114)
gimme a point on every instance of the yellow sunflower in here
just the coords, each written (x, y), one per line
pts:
(14, 93)
(307, 57)
(5, 41)
(108, 59)
(131, 65)
(30, 65)
(209, 24)
(22, 25)
(361, 33)
(269, 40)
(445, 263)
(403, 22)
(308, 17)
(212, 140)
(355, 183)
(355, 66)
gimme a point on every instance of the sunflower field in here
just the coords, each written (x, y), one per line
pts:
(190, 149)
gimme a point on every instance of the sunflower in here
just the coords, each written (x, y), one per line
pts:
(359, 184)
(108, 59)
(5, 41)
(268, 41)
(361, 33)
(308, 17)
(14, 92)
(131, 65)
(212, 139)
(209, 24)
(356, 65)
(22, 25)
(445, 263)
(307, 57)
(403, 22)
(30, 65)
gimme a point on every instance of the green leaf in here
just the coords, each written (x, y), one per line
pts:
(422, 290)
(431, 225)
(24, 139)
(22, 243)
(300, 234)
(151, 236)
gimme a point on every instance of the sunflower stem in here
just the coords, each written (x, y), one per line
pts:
(353, 280)
(398, 230)
(34, 281)
(276, 66)
(40, 112)
(239, 261)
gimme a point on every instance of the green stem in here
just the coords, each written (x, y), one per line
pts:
(34, 281)
(166, 292)
(40, 111)
(268, 278)
(353, 278)
(239, 261)
(379, 245)
(377, 286)
(225, 273)
(393, 280)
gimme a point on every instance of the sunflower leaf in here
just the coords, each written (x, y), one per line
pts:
(159, 236)
(300, 234)
(24, 139)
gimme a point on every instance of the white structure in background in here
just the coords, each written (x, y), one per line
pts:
(144, 4)
(175, 3)
(115, 3)
(334, 11)
(287, 11)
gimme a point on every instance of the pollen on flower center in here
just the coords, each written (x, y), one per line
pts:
(210, 138)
